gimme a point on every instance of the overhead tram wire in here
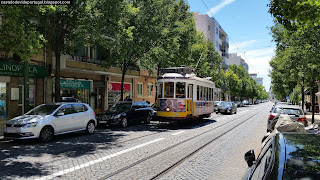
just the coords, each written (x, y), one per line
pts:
(233, 41)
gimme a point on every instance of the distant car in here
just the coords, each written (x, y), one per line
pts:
(239, 103)
(245, 102)
(295, 113)
(124, 113)
(227, 107)
(47, 120)
(286, 156)
(216, 104)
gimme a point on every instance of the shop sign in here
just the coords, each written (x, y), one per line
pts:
(117, 87)
(16, 69)
(74, 84)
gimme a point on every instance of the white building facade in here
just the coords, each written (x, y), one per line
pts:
(259, 80)
(214, 32)
(237, 60)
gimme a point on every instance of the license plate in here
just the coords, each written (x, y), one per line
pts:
(10, 131)
(102, 121)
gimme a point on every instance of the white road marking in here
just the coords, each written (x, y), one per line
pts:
(180, 132)
(60, 173)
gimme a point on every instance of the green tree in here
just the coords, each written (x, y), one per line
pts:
(20, 38)
(163, 37)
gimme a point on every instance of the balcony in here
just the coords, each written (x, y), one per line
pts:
(225, 43)
(225, 55)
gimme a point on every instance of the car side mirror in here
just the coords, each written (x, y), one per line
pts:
(60, 114)
(250, 157)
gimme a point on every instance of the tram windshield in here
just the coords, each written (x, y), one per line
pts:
(160, 91)
(168, 89)
(180, 90)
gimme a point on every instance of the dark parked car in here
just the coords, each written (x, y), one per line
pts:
(286, 156)
(227, 107)
(124, 113)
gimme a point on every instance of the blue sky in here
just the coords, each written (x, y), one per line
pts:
(247, 23)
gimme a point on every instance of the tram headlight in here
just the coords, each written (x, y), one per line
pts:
(168, 109)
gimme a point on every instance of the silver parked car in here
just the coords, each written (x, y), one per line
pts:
(216, 104)
(227, 107)
(47, 120)
(294, 112)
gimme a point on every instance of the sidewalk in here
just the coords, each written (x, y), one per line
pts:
(316, 117)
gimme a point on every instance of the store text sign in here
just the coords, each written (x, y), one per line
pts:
(15, 69)
(74, 84)
(117, 87)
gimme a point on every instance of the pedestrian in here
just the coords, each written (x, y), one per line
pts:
(307, 106)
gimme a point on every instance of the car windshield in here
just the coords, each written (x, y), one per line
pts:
(43, 109)
(290, 111)
(120, 107)
(225, 104)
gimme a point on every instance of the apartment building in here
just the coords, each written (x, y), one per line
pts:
(214, 32)
(237, 60)
(259, 80)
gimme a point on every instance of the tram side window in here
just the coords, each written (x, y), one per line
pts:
(168, 89)
(180, 90)
(160, 90)
(198, 93)
(209, 98)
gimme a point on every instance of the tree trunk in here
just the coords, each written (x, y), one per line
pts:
(124, 70)
(302, 92)
(26, 87)
(313, 101)
(57, 75)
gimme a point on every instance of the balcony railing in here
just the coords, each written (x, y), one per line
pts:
(225, 55)
(100, 62)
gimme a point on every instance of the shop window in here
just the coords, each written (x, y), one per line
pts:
(160, 90)
(180, 90)
(168, 89)
(150, 89)
(140, 89)
(3, 99)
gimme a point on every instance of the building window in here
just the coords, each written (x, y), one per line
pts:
(208, 27)
(217, 45)
(217, 31)
(140, 89)
(150, 89)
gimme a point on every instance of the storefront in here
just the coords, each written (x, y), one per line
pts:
(12, 86)
(79, 89)
(114, 92)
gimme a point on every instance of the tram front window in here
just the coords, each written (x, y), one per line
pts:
(168, 89)
(180, 90)
(160, 90)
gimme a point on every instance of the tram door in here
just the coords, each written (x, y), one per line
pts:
(190, 97)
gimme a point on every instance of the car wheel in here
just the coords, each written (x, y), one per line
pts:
(217, 112)
(46, 134)
(235, 112)
(90, 127)
(124, 123)
(148, 119)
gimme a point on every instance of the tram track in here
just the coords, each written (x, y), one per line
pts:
(177, 163)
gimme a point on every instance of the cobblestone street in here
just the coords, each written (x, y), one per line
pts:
(213, 149)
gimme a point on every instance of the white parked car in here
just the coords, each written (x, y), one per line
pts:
(47, 120)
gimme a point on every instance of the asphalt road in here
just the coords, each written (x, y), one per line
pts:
(213, 149)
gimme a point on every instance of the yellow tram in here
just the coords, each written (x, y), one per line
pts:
(182, 95)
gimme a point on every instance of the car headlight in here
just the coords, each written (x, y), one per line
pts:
(29, 125)
(117, 116)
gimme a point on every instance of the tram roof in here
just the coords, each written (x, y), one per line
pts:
(191, 76)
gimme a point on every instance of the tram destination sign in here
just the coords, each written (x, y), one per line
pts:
(16, 69)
